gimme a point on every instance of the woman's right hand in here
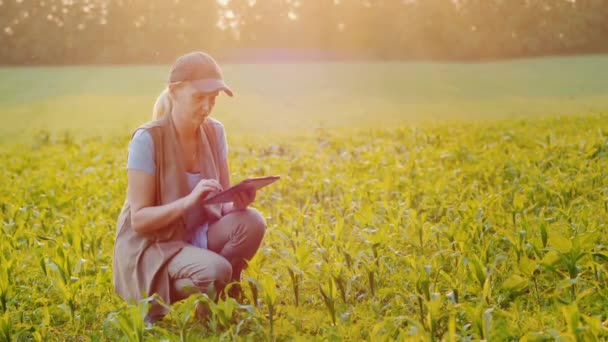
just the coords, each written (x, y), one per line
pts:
(203, 188)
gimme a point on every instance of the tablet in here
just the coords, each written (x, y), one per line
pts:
(251, 183)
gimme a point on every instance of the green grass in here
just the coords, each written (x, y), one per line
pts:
(112, 100)
(466, 231)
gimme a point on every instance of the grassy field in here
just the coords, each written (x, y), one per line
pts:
(302, 97)
(387, 224)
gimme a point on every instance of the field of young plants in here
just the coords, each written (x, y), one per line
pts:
(492, 230)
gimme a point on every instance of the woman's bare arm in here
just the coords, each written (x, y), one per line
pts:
(145, 217)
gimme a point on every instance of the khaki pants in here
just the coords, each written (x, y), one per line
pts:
(231, 241)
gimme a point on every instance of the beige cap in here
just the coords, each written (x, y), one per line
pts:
(201, 70)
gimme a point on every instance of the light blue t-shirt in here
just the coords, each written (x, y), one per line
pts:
(141, 157)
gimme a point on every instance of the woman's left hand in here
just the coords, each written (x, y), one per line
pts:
(243, 199)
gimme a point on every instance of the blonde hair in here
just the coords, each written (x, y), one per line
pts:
(163, 105)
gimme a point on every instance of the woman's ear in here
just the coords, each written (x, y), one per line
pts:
(174, 88)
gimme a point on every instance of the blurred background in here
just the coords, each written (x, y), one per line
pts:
(96, 66)
(155, 31)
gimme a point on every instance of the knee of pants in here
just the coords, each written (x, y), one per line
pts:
(219, 271)
(256, 225)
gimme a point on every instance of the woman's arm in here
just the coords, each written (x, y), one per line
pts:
(145, 217)
(141, 192)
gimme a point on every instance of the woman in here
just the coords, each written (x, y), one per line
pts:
(167, 243)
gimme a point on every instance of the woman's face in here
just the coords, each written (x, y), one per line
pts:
(190, 104)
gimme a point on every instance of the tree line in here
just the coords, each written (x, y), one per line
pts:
(155, 31)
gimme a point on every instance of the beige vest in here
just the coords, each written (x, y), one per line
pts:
(140, 260)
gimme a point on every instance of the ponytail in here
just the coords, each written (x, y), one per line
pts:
(162, 106)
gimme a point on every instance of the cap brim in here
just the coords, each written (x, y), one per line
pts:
(212, 85)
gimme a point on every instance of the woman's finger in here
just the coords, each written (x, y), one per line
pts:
(211, 183)
(215, 184)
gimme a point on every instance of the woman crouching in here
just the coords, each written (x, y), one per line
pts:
(167, 242)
